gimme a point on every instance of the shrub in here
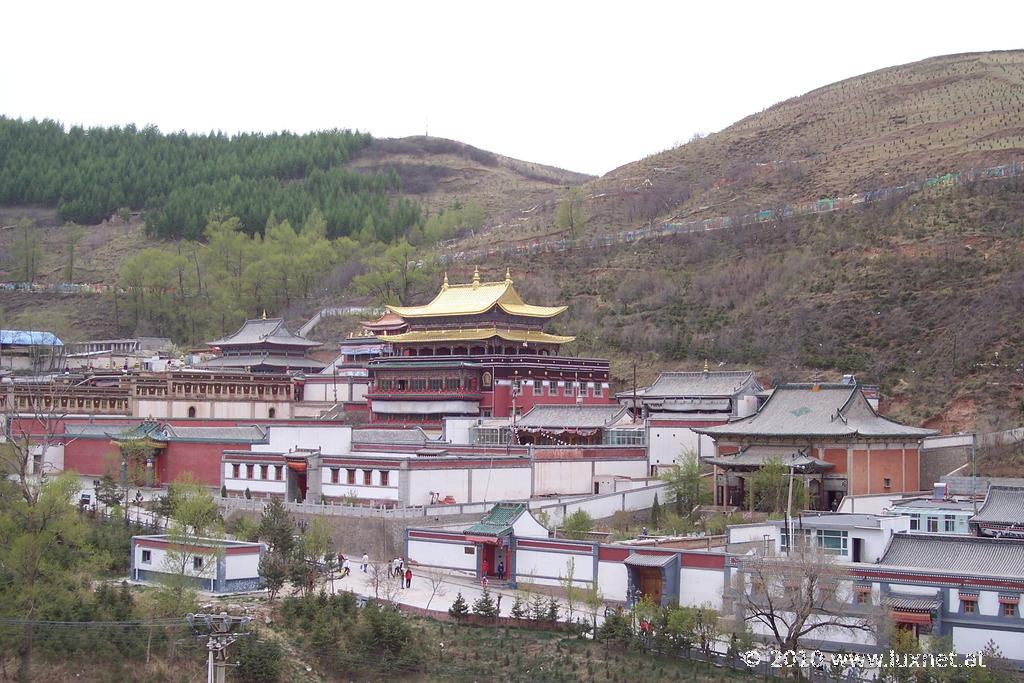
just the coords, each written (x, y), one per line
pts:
(459, 608)
(484, 605)
(259, 661)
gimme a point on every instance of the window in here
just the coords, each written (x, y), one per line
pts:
(537, 388)
(191, 411)
(452, 384)
(933, 525)
(147, 556)
(624, 437)
(236, 471)
(335, 475)
(350, 476)
(248, 471)
(833, 541)
(384, 477)
(968, 606)
(469, 550)
(367, 477)
(278, 472)
(197, 562)
(264, 471)
(862, 595)
(887, 482)
(384, 385)
(436, 384)
(419, 385)
(915, 522)
(1008, 609)
(949, 523)
(272, 413)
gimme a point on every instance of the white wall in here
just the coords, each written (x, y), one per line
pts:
(666, 444)
(699, 587)
(453, 483)
(621, 468)
(363, 492)
(439, 554)
(228, 410)
(527, 526)
(545, 567)
(456, 429)
(241, 566)
(613, 578)
(501, 484)
(562, 477)
(333, 440)
(973, 640)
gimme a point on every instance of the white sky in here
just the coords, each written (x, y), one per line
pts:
(582, 85)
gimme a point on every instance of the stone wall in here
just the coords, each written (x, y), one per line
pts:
(938, 462)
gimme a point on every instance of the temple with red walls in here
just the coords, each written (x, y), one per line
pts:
(479, 350)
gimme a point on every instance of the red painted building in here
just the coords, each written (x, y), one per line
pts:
(476, 350)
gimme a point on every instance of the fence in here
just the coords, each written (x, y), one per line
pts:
(557, 508)
(759, 216)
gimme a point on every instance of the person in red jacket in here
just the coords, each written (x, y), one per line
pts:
(408, 577)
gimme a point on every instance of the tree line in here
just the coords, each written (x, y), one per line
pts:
(178, 178)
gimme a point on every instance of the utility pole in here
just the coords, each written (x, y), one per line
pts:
(221, 631)
(974, 470)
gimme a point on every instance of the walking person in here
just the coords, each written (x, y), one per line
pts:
(346, 568)
(408, 577)
(366, 561)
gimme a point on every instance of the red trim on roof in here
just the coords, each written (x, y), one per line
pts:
(551, 545)
(922, 618)
(605, 554)
(438, 535)
(702, 561)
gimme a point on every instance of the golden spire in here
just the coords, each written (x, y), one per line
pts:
(264, 314)
(706, 369)
(444, 285)
(476, 277)
(508, 276)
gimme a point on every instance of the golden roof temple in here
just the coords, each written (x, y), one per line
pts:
(476, 298)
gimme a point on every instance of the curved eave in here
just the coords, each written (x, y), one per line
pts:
(480, 335)
(525, 310)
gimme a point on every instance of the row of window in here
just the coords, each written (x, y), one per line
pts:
(829, 540)
(383, 477)
(271, 472)
(424, 384)
(968, 602)
(932, 523)
(147, 558)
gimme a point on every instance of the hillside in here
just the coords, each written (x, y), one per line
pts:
(876, 130)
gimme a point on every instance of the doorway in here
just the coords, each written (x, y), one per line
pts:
(858, 544)
(650, 583)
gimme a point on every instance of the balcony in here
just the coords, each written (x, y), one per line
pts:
(425, 395)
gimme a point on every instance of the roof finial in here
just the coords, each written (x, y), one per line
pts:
(444, 285)
(476, 277)
(264, 314)
(508, 276)
(706, 368)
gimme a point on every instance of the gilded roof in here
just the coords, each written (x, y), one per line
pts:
(479, 334)
(476, 298)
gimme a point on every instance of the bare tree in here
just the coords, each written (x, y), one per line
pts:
(437, 586)
(384, 584)
(797, 595)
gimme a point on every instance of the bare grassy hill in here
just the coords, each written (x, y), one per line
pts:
(876, 130)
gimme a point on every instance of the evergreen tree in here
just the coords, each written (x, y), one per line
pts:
(277, 528)
(273, 568)
(484, 605)
(459, 608)
(520, 610)
(655, 519)
(538, 607)
(552, 609)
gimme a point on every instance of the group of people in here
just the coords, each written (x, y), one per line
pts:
(396, 568)
(400, 571)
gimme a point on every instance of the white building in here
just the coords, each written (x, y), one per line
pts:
(215, 565)
(679, 401)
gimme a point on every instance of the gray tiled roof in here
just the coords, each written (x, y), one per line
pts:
(269, 331)
(574, 416)
(239, 434)
(263, 359)
(696, 384)
(104, 429)
(956, 554)
(1003, 505)
(758, 456)
(647, 560)
(386, 436)
(913, 603)
(816, 410)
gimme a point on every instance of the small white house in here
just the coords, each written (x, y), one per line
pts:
(216, 565)
(850, 537)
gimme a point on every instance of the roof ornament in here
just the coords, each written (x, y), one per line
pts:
(476, 277)
(508, 276)
(444, 285)
(264, 314)
(706, 368)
